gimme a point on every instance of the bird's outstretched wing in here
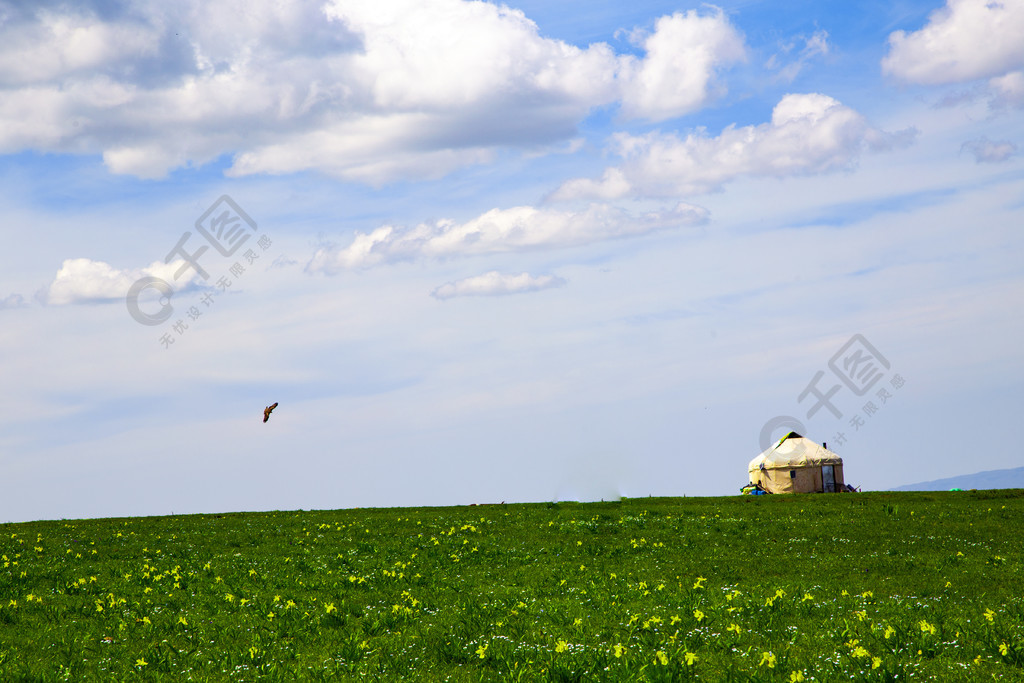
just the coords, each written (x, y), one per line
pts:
(267, 411)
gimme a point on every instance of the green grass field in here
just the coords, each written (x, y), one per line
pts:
(871, 586)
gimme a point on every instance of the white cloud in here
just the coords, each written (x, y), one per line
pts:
(677, 75)
(963, 41)
(496, 284)
(1008, 90)
(12, 301)
(366, 90)
(809, 133)
(787, 71)
(83, 280)
(985, 150)
(521, 228)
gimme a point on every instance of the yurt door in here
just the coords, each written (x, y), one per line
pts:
(828, 478)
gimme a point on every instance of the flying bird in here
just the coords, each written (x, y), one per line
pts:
(267, 411)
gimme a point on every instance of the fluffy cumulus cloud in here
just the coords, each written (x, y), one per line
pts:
(964, 41)
(83, 280)
(521, 228)
(372, 90)
(496, 284)
(989, 151)
(677, 75)
(809, 133)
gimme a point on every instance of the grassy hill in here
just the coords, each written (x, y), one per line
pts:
(873, 587)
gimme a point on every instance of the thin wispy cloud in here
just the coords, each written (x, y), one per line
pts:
(989, 151)
(496, 284)
(12, 301)
(789, 62)
(518, 229)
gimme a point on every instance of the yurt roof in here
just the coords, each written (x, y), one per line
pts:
(792, 451)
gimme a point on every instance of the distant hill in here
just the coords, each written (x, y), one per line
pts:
(993, 479)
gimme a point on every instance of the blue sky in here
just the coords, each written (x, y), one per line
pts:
(502, 252)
